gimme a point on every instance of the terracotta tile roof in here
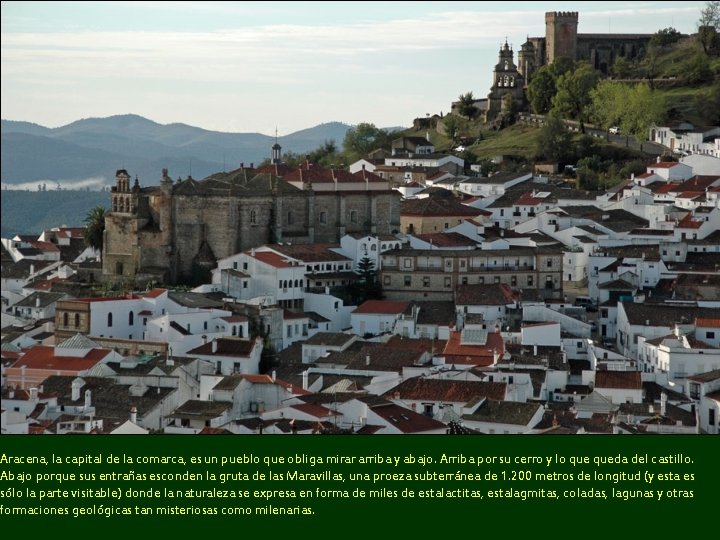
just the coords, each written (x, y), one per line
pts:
(153, 293)
(505, 412)
(437, 206)
(715, 396)
(271, 258)
(494, 294)
(705, 377)
(365, 175)
(44, 246)
(618, 379)
(663, 165)
(665, 188)
(43, 357)
(381, 307)
(226, 347)
(689, 222)
(446, 239)
(405, 420)
(527, 199)
(707, 323)
(308, 252)
(235, 318)
(446, 390)
(474, 355)
(422, 344)
(318, 411)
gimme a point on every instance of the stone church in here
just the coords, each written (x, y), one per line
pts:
(561, 40)
(166, 233)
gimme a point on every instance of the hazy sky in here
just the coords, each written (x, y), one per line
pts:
(251, 66)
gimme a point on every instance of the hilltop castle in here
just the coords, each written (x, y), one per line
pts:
(561, 40)
(165, 233)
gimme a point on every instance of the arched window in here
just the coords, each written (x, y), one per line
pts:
(373, 247)
(77, 320)
(253, 217)
(131, 318)
(109, 320)
(323, 217)
(353, 216)
(290, 218)
(65, 319)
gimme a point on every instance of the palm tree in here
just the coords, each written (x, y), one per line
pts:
(94, 228)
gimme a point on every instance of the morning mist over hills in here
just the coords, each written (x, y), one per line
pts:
(85, 154)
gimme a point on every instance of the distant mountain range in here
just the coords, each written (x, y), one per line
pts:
(86, 153)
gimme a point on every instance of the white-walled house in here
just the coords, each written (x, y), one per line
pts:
(620, 386)
(377, 316)
(704, 389)
(231, 355)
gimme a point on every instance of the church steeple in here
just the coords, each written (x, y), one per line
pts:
(276, 148)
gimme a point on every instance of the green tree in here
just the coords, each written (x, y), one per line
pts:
(364, 138)
(697, 70)
(95, 228)
(709, 27)
(708, 104)
(621, 68)
(366, 270)
(634, 108)
(453, 125)
(572, 99)
(541, 90)
(466, 105)
(666, 36)
(554, 141)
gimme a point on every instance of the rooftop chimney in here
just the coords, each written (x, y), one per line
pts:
(88, 399)
(33, 394)
(535, 350)
(274, 375)
(305, 379)
(367, 359)
(663, 403)
(133, 414)
(214, 346)
(37, 301)
(76, 386)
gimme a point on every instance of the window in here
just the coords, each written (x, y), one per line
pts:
(253, 217)
(289, 330)
(235, 265)
(497, 279)
(353, 216)
(513, 281)
(205, 325)
(373, 247)
(408, 281)
(448, 282)
(447, 225)
(711, 416)
(549, 263)
(407, 263)
(386, 280)
(464, 280)
(710, 335)
(119, 268)
(502, 212)
(323, 217)
(290, 218)
(481, 280)
(245, 266)
(131, 318)
(109, 320)
(77, 320)
(241, 332)
(426, 281)
(530, 281)
(234, 330)
(65, 319)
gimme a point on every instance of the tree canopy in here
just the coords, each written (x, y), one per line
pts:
(572, 99)
(364, 138)
(633, 108)
(95, 228)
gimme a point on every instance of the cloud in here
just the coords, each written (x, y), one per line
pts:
(92, 184)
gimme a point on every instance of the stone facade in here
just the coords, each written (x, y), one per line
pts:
(507, 81)
(561, 39)
(435, 275)
(166, 233)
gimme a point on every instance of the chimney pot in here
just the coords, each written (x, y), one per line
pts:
(214, 346)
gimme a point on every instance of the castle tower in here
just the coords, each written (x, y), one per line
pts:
(561, 35)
